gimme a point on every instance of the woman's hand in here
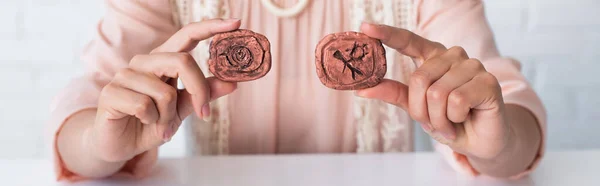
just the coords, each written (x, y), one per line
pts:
(454, 98)
(141, 107)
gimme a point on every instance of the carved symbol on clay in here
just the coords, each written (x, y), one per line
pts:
(357, 53)
(238, 56)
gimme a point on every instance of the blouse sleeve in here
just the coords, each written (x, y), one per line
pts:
(463, 23)
(129, 27)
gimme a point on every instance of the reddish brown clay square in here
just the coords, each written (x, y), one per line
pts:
(240, 55)
(350, 61)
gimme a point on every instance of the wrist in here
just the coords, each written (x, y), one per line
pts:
(509, 148)
(522, 145)
(76, 151)
(95, 151)
(88, 144)
(90, 147)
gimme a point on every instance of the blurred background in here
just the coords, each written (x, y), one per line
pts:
(557, 41)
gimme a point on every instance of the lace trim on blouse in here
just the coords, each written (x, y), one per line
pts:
(380, 127)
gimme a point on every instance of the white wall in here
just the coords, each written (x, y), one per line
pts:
(557, 41)
(39, 43)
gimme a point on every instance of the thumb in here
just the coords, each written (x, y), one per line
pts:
(217, 88)
(389, 91)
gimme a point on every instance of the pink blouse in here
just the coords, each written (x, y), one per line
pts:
(289, 110)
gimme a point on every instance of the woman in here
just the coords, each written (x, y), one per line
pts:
(465, 95)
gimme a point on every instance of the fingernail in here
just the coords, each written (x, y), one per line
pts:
(205, 111)
(168, 134)
(231, 20)
(426, 127)
(174, 128)
(450, 136)
(439, 137)
(198, 111)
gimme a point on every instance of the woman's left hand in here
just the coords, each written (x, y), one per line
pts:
(454, 98)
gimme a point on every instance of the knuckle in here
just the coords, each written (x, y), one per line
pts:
(143, 105)
(489, 79)
(418, 115)
(420, 77)
(123, 74)
(456, 49)
(459, 51)
(108, 89)
(475, 64)
(136, 59)
(167, 95)
(435, 92)
(456, 118)
(184, 59)
(438, 49)
(438, 44)
(457, 98)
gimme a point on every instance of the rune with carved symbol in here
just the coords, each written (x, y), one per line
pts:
(350, 61)
(240, 55)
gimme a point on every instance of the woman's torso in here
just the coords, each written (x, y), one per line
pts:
(304, 115)
(289, 110)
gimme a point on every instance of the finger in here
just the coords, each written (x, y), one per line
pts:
(472, 102)
(480, 93)
(184, 108)
(121, 102)
(419, 83)
(188, 37)
(177, 65)
(455, 78)
(389, 91)
(455, 53)
(438, 92)
(218, 88)
(163, 95)
(404, 41)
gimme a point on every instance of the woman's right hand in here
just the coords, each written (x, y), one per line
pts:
(141, 108)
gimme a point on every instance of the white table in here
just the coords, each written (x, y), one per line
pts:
(558, 168)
